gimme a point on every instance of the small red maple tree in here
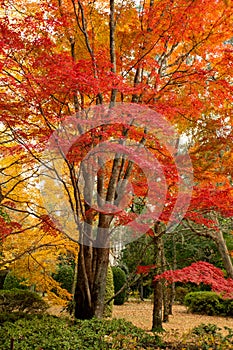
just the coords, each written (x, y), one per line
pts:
(201, 272)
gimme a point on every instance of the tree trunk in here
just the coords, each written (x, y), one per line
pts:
(90, 288)
(158, 295)
(157, 307)
(82, 296)
(223, 251)
(217, 237)
(165, 289)
(173, 285)
(172, 296)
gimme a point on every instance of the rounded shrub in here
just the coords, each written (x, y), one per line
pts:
(109, 293)
(208, 303)
(228, 307)
(12, 282)
(64, 276)
(19, 300)
(181, 292)
(119, 279)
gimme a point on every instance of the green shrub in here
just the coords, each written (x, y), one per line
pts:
(3, 274)
(12, 282)
(119, 279)
(180, 294)
(109, 293)
(51, 333)
(208, 303)
(228, 307)
(17, 300)
(206, 328)
(64, 276)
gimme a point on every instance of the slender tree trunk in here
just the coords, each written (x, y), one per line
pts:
(157, 307)
(217, 237)
(165, 289)
(158, 295)
(223, 251)
(173, 285)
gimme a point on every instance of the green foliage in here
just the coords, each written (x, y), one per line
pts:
(181, 293)
(15, 316)
(17, 300)
(64, 276)
(208, 303)
(205, 337)
(206, 328)
(109, 293)
(119, 279)
(51, 333)
(139, 252)
(210, 337)
(3, 274)
(228, 307)
(186, 245)
(12, 282)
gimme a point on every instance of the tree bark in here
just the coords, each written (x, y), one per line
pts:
(217, 237)
(223, 251)
(158, 295)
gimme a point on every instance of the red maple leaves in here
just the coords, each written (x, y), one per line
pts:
(201, 272)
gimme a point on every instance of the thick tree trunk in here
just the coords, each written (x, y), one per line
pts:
(90, 288)
(82, 296)
(99, 285)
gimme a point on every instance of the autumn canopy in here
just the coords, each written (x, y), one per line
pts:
(77, 147)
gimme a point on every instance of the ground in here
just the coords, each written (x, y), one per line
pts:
(140, 314)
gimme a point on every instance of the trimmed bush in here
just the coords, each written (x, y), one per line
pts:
(119, 279)
(208, 303)
(12, 282)
(64, 276)
(109, 293)
(228, 307)
(17, 300)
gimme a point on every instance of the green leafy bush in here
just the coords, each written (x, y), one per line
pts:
(64, 276)
(208, 303)
(12, 282)
(3, 274)
(206, 328)
(109, 293)
(181, 292)
(205, 337)
(228, 307)
(17, 300)
(119, 279)
(51, 333)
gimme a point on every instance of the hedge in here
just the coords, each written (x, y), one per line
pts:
(208, 303)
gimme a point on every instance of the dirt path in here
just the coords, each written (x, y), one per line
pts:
(140, 314)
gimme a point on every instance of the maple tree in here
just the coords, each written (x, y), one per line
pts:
(61, 58)
(201, 272)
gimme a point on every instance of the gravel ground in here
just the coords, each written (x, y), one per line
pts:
(140, 314)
